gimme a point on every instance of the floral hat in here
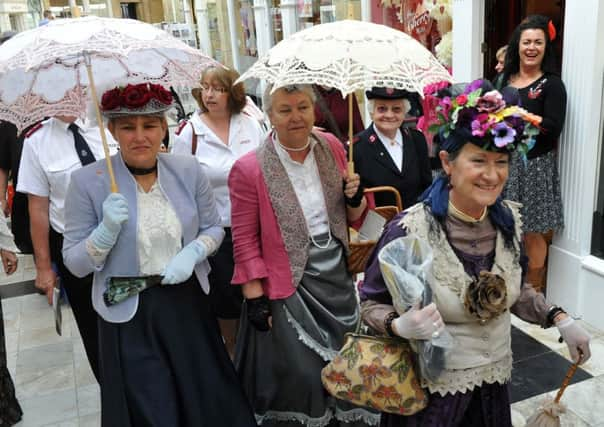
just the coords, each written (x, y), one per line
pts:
(479, 114)
(139, 99)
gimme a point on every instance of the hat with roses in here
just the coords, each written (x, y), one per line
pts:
(146, 99)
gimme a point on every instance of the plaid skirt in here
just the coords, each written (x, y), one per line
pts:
(536, 184)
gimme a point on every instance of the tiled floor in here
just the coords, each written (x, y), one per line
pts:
(56, 387)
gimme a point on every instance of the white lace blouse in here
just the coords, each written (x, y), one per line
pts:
(159, 233)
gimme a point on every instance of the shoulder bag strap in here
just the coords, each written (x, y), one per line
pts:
(193, 141)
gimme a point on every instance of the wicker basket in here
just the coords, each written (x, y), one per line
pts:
(360, 251)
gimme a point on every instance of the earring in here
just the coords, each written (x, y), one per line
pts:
(449, 185)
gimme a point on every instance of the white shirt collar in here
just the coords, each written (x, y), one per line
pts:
(398, 138)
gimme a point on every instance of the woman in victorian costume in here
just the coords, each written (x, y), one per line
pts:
(387, 153)
(163, 359)
(478, 265)
(292, 201)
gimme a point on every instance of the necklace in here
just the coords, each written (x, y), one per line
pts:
(294, 149)
(142, 171)
(464, 216)
(325, 245)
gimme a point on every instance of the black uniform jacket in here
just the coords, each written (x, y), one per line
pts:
(375, 166)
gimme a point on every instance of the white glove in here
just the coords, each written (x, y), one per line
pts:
(419, 324)
(576, 338)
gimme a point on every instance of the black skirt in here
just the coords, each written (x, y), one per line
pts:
(226, 299)
(10, 411)
(281, 368)
(168, 366)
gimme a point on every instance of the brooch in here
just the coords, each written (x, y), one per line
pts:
(535, 92)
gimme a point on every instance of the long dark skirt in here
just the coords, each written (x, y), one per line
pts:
(225, 298)
(281, 369)
(485, 406)
(168, 366)
(10, 411)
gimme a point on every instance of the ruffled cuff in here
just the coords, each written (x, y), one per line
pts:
(249, 270)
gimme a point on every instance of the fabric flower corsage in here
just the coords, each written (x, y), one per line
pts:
(486, 297)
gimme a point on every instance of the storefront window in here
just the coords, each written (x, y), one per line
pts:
(314, 12)
(429, 25)
(246, 34)
(277, 21)
(219, 34)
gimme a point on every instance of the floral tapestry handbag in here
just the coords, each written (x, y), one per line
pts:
(376, 372)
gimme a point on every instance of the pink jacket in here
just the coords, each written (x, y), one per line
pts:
(258, 246)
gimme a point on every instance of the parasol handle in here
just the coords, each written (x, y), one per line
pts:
(350, 157)
(99, 120)
(567, 378)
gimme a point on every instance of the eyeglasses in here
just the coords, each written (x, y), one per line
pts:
(216, 89)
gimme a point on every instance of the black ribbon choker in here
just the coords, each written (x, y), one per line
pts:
(142, 171)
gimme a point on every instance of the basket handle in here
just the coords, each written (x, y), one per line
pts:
(388, 189)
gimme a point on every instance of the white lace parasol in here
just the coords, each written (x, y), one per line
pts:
(350, 55)
(43, 71)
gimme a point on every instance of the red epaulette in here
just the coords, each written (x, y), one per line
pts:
(180, 127)
(34, 129)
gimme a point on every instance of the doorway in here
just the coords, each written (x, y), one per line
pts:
(129, 10)
(502, 16)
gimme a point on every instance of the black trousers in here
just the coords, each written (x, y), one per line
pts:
(79, 293)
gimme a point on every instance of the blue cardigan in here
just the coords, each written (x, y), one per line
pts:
(188, 190)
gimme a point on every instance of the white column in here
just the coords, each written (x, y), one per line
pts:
(289, 18)
(86, 7)
(203, 29)
(109, 5)
(264, 33)
(233, 30)
(575, 278)
(187, 12)
(5, 22)
(366, 10)
(468, 35)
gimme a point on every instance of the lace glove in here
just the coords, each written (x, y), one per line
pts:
(419, 324)
(181, 266)
(576, 338)
(115, 213)
(258, 312)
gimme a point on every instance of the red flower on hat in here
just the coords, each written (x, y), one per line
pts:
(389, 90)
(111, 99)
(161, 94)
(135, 96)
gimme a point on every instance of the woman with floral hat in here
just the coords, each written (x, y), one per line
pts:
(478, 266)
(163, 360)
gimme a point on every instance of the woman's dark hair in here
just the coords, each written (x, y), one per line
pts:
(512, 58)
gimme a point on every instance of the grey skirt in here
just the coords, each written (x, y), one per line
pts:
(281, 369)
(536, 184)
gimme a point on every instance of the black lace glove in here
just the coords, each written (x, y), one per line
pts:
(258, 312)
(355, 201)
